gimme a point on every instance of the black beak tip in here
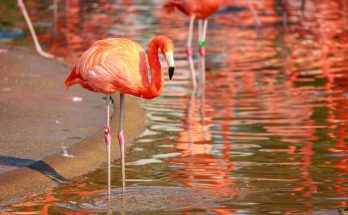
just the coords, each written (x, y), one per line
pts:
(171, 72)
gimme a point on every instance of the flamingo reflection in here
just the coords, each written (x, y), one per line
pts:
(320, 55)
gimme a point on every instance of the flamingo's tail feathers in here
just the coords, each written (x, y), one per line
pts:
(169, 7)
(72, 79)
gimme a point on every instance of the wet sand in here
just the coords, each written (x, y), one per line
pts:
(50, 135)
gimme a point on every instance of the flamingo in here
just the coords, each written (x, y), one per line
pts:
(38, 48)
(201, 10)
(119, 65)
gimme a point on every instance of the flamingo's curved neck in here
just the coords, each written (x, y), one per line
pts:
(157, 79)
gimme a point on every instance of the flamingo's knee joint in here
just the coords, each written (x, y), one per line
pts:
(188, 51)
(121, 137)
(107, 136)
(202, 48)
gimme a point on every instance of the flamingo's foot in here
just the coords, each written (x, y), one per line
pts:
(188, 52)
(45, 54)
(107, 136)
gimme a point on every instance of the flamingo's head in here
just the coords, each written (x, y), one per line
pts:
(167, 48)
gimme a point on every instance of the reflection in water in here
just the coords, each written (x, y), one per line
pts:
(271, 121)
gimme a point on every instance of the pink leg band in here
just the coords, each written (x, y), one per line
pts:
(188, 51)
(202, 51)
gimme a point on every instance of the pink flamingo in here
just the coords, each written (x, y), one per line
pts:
(32, 31)
(201, 10)
(120, 65)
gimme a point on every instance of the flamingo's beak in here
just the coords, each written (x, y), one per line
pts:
(170, 61)
(171, 72)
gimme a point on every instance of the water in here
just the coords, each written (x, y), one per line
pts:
(268, 137)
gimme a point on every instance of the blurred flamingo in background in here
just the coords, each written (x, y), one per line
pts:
(32, 31)
(120, 65)
(286, 7)
(201, 10)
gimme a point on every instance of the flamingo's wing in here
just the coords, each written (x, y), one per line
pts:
(112, 65)
(108, 78)
(143, 68)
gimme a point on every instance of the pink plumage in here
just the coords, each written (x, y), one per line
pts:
(200, 9)
(120, 65)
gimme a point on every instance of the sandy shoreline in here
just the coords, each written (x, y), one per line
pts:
(88, 153)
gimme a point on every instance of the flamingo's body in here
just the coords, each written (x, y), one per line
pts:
(201, 10)
(120, 65)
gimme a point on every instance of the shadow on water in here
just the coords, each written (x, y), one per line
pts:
(37, 165)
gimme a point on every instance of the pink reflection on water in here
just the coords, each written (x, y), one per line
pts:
(285, 100)
(198, 167)
(260, 84)
(196, 130)
(321, 54)
(34, 205)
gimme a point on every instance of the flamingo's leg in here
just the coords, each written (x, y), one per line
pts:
(121, 141)
(189, 52)
(107, 137)
(202, 26)
(258, 22)
(200, 32)
(32, 31)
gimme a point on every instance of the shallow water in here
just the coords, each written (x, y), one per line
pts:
(268, 135)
